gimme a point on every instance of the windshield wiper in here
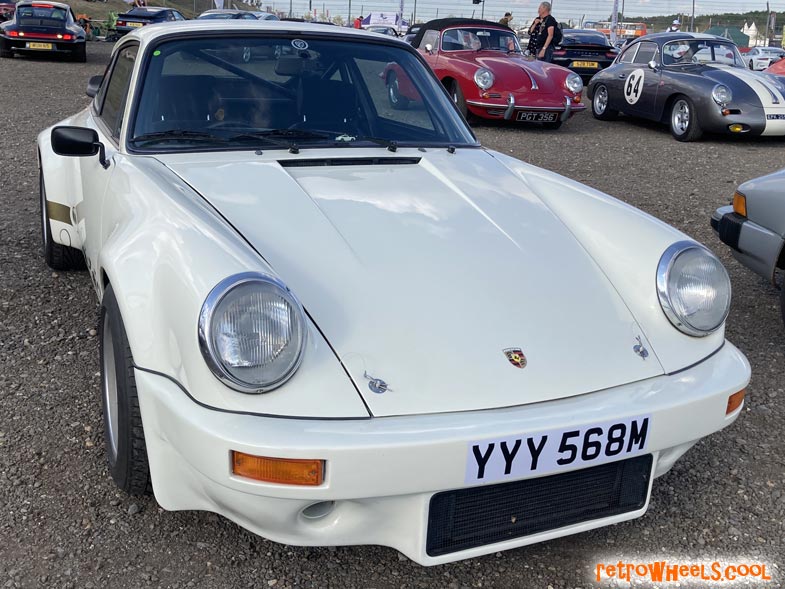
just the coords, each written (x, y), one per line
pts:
(270, 134)
(178, 135)
(388, 143)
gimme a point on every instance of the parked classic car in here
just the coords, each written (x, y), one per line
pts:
(584, 52)
(759, 58)
(334, 322)
(482, 66)
(753, 226)
(693, 82)
(227, 14)
(145, 15)
(43, 27)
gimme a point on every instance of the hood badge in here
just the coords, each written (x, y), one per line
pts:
(640, 349)
(377, 385)
(516, 357)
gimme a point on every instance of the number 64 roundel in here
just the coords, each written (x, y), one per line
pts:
(633, 87)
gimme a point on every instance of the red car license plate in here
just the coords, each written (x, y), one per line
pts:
(537, 117)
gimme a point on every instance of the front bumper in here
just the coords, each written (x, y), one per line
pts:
(381, 473)
(753, 245)
(509, 109)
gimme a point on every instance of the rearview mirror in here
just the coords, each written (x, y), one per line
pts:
(653, 65)
(78, 142)
(93, 84)
(429, 48)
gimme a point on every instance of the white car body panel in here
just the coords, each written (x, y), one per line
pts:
(421, 279)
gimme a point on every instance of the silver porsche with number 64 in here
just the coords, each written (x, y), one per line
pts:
(693, 82)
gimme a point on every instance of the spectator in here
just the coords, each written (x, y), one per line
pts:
(505, 20)
(358, 22)
(140, 3)
(543, 29)
(675, 27)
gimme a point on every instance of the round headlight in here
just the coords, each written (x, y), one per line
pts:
(574, 83)
(721, 94)
(252, 332)
(694, 288)
(483, 77)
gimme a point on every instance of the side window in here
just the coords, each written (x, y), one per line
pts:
(116, 92)
(646, 53)
(431, 37)
(628, 54)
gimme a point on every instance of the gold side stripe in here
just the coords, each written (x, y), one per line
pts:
(58, 212)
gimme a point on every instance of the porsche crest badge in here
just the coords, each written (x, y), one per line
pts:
(516, 357)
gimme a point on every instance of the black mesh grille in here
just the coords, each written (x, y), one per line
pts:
(467, 518)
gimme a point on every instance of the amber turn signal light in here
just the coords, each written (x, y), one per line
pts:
(283, 471)
(735, 401)
(740, 204)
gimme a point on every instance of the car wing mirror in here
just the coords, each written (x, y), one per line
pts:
(653, 65)
(78, 142)
(93, 84)
(429, 48)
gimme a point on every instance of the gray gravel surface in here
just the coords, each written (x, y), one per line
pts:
(64, 524)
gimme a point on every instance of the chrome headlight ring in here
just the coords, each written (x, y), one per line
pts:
(484, 79)
(721, 94)
(259, 302)
(694, 288)
(574, 83)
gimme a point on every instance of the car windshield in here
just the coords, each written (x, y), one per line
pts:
(701, 51)
(587, 38)
(41, 15)
(478, 39)
(262, 92)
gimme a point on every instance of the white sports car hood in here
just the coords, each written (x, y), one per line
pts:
(428, 272)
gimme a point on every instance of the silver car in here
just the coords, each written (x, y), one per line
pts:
(754, 227)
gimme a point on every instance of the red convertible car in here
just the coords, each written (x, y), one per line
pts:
(482, 66)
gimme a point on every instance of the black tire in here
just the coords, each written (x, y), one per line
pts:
(79, 54)
(751, 67)
(553, 125)
(599, 104)
(458, 99)
(56, 256)
(683, 120)
(397, 101)
(5, 53)
(126, 450)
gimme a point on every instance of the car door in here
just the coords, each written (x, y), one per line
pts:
(430, 38)
(107, 119)
(616, 75)
(642, 83)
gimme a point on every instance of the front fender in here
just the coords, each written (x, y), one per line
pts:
(163, 250)
(627, 244)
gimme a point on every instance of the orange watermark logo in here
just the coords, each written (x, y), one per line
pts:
(661, 571)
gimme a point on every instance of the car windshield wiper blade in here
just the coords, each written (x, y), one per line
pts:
(290, 133)
(388, 143)
(178, 135)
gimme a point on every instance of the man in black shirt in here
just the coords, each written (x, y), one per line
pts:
(544, 28)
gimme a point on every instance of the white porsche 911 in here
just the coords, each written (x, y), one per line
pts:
(334, 322)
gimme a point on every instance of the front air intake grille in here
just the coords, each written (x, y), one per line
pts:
(468, 518)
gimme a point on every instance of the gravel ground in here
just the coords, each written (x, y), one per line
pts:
(64, 524)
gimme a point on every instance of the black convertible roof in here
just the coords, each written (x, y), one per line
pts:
(443, 23)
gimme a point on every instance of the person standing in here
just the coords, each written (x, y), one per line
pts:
(675, 27)
(358, 22)
(543, 30)
(505, 20)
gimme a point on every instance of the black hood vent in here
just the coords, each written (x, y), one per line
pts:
(350, 161)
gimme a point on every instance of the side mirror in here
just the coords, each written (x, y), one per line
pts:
(93, 84)
(653, 65)
(78, 142)
(429, 48)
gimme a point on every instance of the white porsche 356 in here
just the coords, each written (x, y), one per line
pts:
(334, 322)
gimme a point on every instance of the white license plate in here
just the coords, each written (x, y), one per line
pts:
(500, 459)
(537, 117)
(775, 117)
